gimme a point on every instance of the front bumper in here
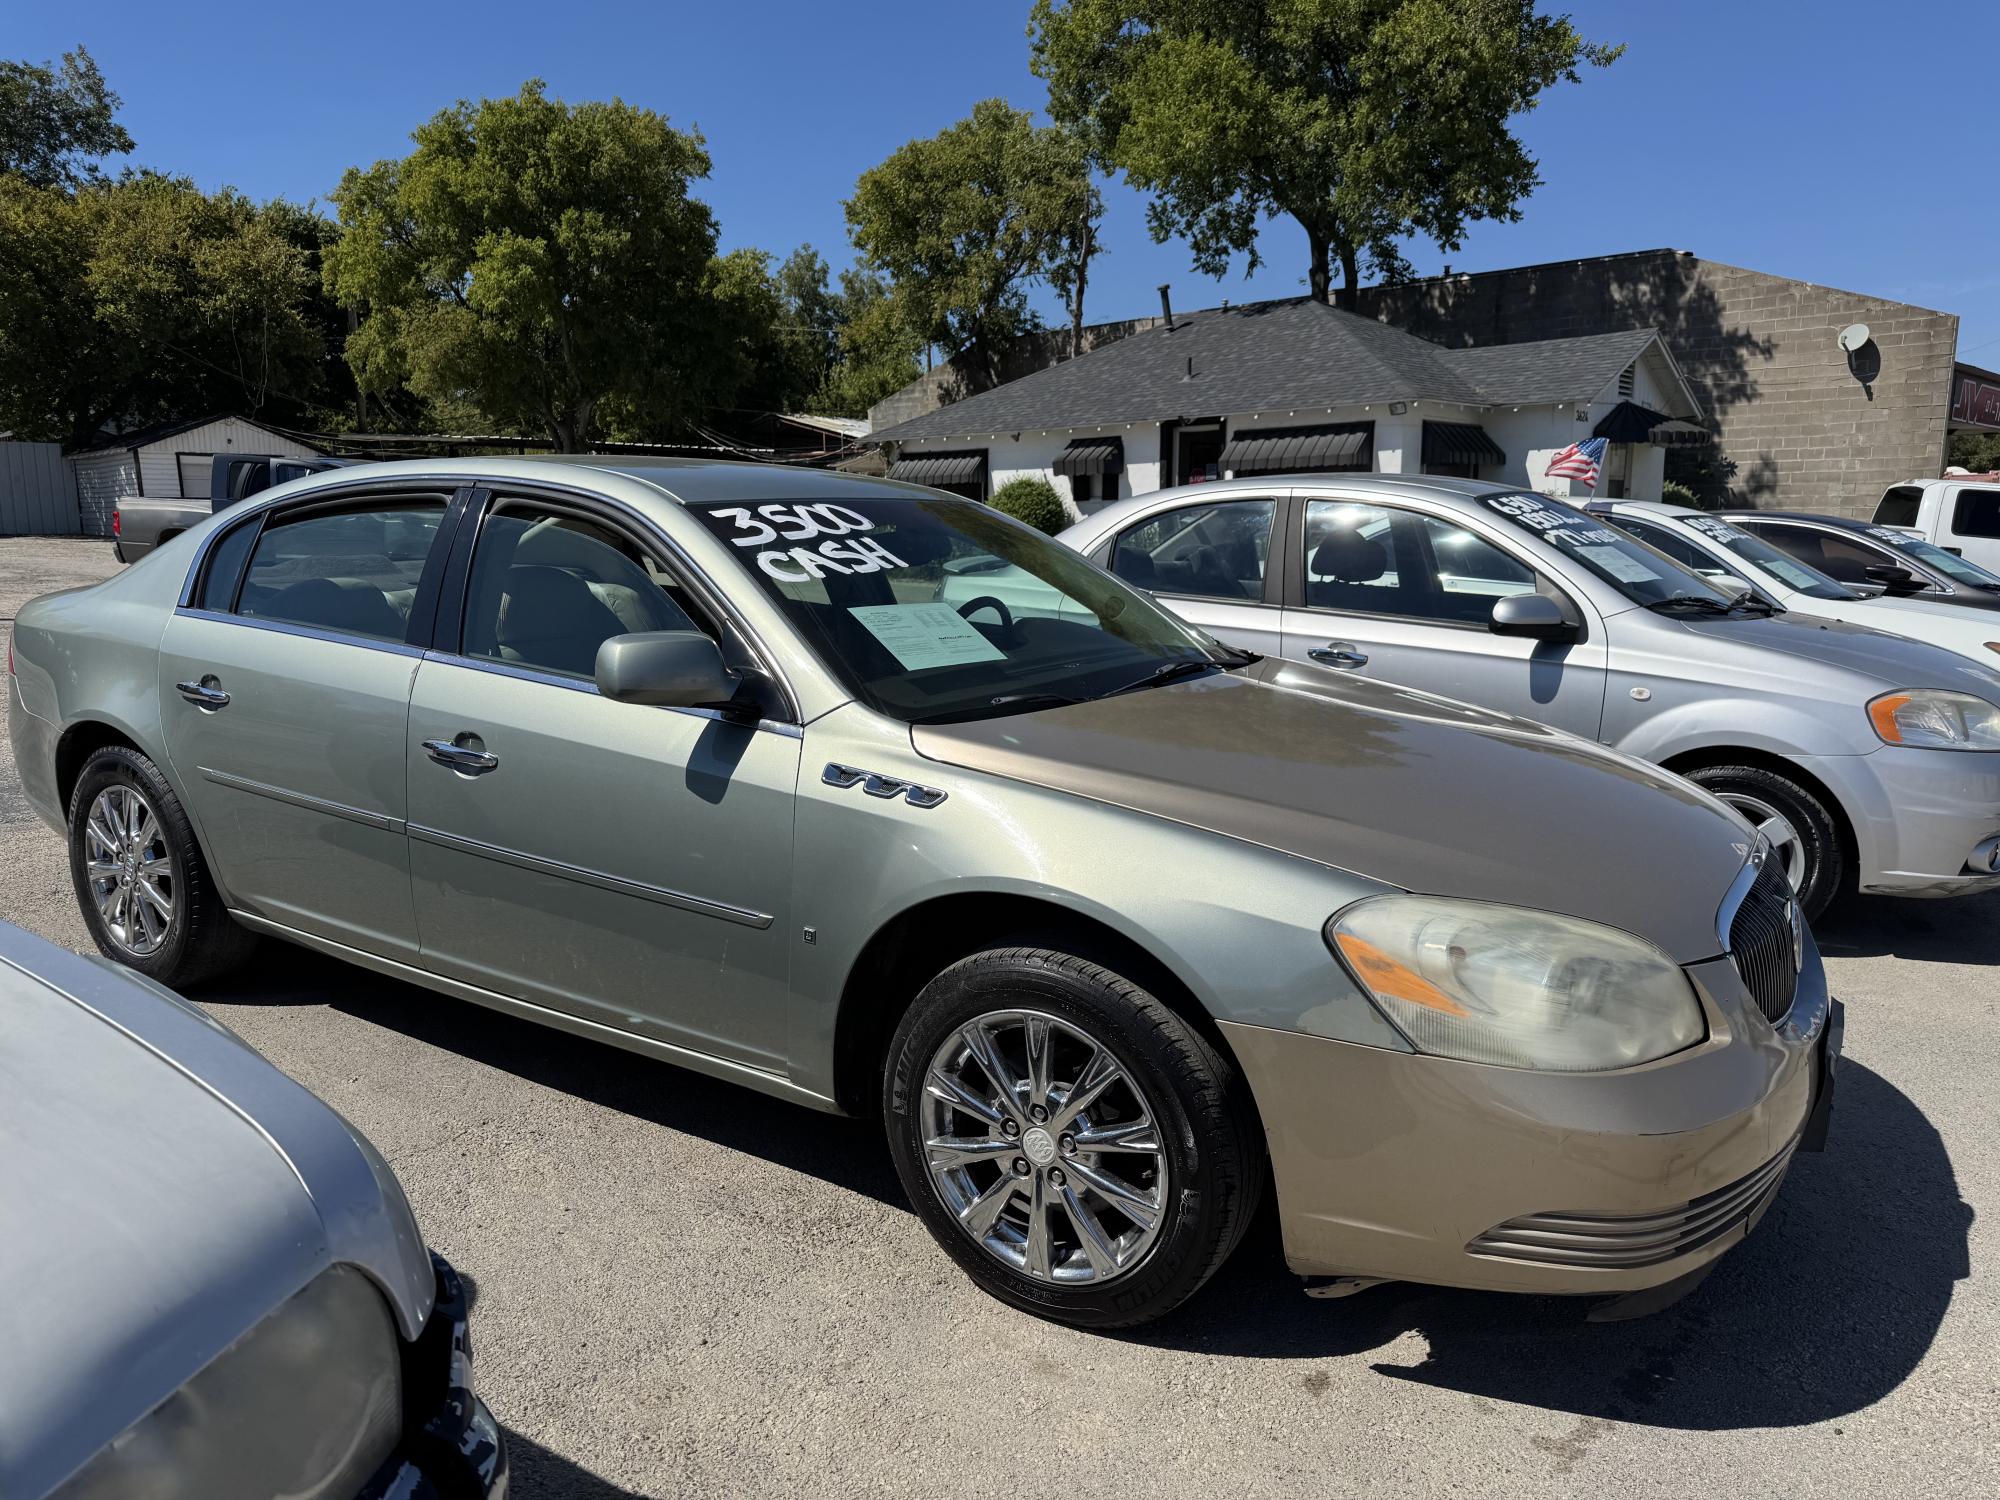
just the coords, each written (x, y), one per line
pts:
(1918, 814)
(1403, 1167)
(452, 1448)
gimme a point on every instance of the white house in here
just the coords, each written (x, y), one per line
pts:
(1300, 387)
(171, 461)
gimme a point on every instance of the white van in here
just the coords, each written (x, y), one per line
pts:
(1960, 512)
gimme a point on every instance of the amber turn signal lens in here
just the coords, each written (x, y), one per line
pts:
(1393, 980)
(1882, 713)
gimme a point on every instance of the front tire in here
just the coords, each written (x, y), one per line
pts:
(141, 882)
(1080, 1150)
(1801, 828)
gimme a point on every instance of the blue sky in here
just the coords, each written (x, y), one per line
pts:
(1831, 141)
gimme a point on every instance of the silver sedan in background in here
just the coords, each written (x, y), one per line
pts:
(1866, 759)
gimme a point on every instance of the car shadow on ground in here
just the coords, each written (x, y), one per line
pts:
(538, 1471)
(850, 1154)
(1827, 1308)
(1961, 930)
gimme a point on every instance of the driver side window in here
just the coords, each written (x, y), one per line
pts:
(549, 587)
(1212, 551)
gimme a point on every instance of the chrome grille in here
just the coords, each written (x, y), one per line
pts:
(1624, 1241)
(1761, 943)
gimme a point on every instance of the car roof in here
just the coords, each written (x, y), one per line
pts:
(684, 480)
(1643, 508)
(1845, 523)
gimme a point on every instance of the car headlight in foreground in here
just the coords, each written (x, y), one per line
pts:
(1931, 719)
(1516, 988)
(308, 1404)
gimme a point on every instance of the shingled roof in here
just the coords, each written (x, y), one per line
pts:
(1278, 358)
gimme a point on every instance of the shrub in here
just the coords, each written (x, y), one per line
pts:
(1675, 493)
(1032, 500)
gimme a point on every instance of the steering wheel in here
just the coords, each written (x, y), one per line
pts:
(988, 601)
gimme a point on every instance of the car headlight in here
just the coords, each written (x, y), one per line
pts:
(1932, 719)
(1516, 988)
(308, 1404)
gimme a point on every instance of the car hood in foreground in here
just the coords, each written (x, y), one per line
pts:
(162, 1188)
(1397, 786)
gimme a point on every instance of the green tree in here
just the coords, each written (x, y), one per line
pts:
(964, 222)
(56, 121)
(542, 260)
(1367, 121)
(1977, 451)
(875, 352)
(145, 298)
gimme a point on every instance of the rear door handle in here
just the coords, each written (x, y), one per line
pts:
(460, 757)
(1338, 654)
(203, 694)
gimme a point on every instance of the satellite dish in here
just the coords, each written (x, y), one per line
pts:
(1853, 336)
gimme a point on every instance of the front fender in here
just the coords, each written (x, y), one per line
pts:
(1237, 923)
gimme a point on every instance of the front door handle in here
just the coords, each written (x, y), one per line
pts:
(203, 694)
(460, 757)
(1338, 654)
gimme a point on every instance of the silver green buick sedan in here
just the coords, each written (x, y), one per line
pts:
(1113, 925)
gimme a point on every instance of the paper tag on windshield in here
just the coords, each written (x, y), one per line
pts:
(926, 635)
(1619, 564)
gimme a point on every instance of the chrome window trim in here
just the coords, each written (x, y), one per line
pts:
(305, 632)
(584, 685)
(536, 864)
(380, 821)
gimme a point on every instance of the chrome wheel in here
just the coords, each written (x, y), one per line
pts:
(131, 877)
(1786, 845)
(1043, 1147)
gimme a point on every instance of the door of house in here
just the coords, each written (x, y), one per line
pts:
(1200, 457)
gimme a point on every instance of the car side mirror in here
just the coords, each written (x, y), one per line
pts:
(1534, 615)
(666, 669)
(1892, 578)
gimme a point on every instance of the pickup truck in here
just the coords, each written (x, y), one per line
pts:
(1960, 513)
(139, 524)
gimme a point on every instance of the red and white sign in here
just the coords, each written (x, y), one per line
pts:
(1975, 398)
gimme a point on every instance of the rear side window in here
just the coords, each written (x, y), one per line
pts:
(353, 571)
(224, 567)
(1214, 551)
(1973, 513)
(1899, 506)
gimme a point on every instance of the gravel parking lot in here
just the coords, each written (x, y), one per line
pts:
(684, 1288)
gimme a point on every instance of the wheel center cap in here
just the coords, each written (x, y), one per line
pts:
(1039, 1145)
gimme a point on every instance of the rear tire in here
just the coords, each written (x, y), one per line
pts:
(1814, 849)
(141, 882)
(1141, 1188)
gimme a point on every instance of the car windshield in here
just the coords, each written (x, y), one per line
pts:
(1637, 571)
(1759, 553)
(931, 608)
(1934, 557)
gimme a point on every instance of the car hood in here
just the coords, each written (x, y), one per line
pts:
(1815, 642)
(148, 1215)
(1397, 786)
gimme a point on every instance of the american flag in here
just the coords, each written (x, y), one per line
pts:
(1579, 461)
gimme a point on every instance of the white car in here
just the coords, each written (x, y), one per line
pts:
(1719, 550)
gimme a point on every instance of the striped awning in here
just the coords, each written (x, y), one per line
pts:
(1092, 455)
(968, 467)
(1460, 443)
(1628, 422)
(1680, 435)
(1294, 450)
